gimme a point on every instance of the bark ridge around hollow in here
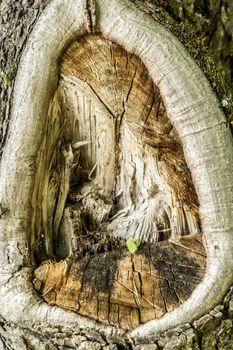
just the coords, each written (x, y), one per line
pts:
(214, 150)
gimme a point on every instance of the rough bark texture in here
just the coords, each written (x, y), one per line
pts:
(214, 26)
(214, 331)
(16, 22)
(211, 332)
(205, 28)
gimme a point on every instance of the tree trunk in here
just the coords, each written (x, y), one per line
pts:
(109, 166)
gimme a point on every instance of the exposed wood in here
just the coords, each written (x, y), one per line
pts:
(125, 175)
(129, 175)
(191, 106)
(122, 290)
(123, 84)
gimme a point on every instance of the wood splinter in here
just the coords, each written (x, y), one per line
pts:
(37, 135)
(130, 180)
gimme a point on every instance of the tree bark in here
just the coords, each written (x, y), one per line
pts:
(214, 330)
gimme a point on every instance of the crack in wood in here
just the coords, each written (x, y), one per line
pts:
(90, 13)
(111, 166)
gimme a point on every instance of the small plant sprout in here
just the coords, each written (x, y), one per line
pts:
(133, 245)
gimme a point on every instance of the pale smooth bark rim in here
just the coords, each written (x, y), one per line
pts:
(111, 21)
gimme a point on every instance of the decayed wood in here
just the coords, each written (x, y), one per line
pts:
(126, 153)
(190, 105)
(124, 174)
(122, 290)
(121, 81)
(201, 127)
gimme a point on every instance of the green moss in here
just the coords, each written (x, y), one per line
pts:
(200, 52)
(6, 78)
(171, 15)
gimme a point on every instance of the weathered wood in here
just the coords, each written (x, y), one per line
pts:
(122, 83)
(124, 174)
(122, 290)
(30, 111)
(128, 162)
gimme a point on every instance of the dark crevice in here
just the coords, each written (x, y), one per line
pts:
(214, 24)
(90, 12)
(102, 102)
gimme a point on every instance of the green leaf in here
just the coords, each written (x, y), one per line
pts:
(132, 245)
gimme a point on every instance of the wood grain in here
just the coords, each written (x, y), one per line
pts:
(115, 168)
(122, 290)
